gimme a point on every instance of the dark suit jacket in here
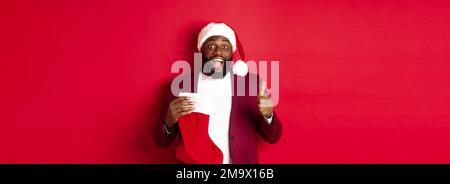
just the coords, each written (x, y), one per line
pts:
(245, 125)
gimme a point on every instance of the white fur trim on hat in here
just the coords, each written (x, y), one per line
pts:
(216, 29)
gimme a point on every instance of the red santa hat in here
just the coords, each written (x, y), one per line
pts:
(222, 29)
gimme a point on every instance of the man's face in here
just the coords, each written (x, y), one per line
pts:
(217, 50)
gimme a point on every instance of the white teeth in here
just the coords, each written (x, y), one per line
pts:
(218, 59)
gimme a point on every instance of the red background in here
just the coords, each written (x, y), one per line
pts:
(361, 81)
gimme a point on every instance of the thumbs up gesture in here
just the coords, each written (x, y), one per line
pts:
(265, 103)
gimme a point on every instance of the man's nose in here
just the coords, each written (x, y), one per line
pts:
(218, 52)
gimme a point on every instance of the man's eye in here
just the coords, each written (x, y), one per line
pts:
(211, 46)
(225, 47)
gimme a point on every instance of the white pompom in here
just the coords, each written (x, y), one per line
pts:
(240, 68)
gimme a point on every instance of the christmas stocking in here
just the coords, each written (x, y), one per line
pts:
(196, 147)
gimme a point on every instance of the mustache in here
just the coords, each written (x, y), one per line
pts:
(217, 57)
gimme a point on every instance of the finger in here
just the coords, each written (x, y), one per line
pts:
(183, 98)
(177, 107)
(180, 98)
(263, 111)
(185, 108)
(262, 88)
(265, 105)
(265, 102)
(186, 102)
(184, 113)
(262, 99)
(183, 102)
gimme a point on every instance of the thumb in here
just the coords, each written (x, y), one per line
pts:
(262, 88)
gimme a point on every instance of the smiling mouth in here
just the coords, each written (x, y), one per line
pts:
(218, 59)
(217, 62)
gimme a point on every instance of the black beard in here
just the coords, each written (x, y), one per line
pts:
(213, 73)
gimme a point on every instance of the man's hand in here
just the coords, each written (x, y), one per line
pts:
(178, 107)
(265, 103)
